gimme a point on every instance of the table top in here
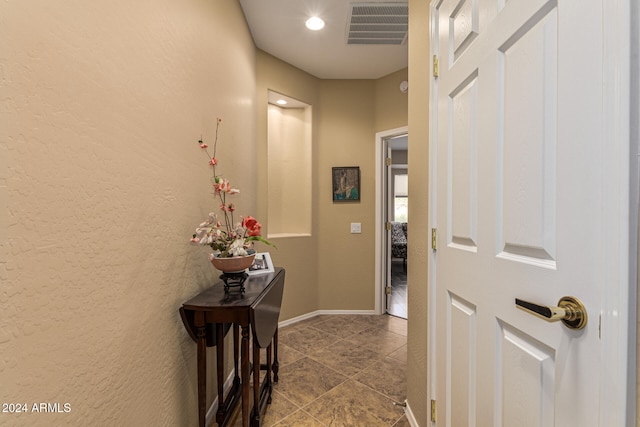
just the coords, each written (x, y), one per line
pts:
(259, 304)
(215, 297)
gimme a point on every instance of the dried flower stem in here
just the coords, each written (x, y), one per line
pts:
(231, 239)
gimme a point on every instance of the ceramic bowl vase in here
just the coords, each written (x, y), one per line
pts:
(234, 264)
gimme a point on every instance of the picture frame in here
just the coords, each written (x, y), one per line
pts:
(262, 264)
(346, 183)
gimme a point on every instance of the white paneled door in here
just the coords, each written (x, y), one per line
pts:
(522, 174)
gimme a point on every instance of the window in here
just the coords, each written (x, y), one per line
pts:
(401, 197)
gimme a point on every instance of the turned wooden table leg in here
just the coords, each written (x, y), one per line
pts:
(255, 413)
(245, 376)
(236, 354)
(220, 414)
(276, 365)
(268, 376)
(201, 335)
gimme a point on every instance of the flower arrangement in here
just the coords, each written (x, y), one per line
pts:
(226, 237)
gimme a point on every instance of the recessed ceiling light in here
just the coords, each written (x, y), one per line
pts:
(314, 23)
(281, 102)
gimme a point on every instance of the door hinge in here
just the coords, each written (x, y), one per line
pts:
(433, 410)
(434, 239)
(388, 226)
(435, 66)
(388, 161)
(388, 290)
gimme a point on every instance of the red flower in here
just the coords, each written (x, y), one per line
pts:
(255, 230)
(252, 225)
(250, 222)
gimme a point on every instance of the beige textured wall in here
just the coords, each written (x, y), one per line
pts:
(419, 235)
(102, 184)
(391, 104)
(346, 138)
(351, 112)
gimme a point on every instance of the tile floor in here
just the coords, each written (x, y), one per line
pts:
(340, 370)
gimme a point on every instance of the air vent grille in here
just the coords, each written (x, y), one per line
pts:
(378, 23)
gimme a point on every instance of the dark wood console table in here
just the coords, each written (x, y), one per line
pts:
(210, 315)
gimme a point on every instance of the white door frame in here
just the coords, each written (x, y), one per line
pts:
(619, 346)
(618, 316)
(380, 204)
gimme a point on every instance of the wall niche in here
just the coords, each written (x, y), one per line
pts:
(289, 166)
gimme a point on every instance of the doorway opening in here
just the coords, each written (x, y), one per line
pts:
(392, 200)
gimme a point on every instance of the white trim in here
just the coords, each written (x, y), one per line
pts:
(287, 235)
(634, 164)
(617, 314)
(410, 417)
(432, 368)
(380, 207)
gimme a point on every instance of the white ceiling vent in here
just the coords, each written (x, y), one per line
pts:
(378, 23)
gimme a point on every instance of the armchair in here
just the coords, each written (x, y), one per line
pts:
(399, 242)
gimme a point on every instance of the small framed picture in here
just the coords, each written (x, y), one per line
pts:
(261, 264)
(346, 184)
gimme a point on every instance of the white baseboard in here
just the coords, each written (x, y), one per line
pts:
(410, 417)
(211, 413)
(319, 312)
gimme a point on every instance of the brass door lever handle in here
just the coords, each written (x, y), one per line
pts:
(570, 310)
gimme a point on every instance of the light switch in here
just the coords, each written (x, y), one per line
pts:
(356, 228)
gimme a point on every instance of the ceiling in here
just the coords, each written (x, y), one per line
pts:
(278, 28)
(400, 142)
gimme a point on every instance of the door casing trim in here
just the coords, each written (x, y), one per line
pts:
(380, 210)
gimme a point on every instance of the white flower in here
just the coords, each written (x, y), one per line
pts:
(237, 248)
